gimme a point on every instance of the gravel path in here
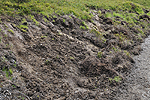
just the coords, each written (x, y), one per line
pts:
(137, 86)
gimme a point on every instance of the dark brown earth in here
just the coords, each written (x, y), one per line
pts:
(59, 60)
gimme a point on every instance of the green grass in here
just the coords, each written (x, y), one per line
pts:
(80, 8)
(11, 31)
(142, 2)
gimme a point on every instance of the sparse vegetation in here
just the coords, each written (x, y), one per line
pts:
(116, 79)
(82, 27)
(0, 39)
(99, 54)
(11, 31)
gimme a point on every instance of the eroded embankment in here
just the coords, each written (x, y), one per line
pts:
(61, 58)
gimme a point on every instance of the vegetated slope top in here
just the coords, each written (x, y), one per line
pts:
(80, 8)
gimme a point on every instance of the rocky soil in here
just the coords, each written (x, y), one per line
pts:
(65, 59)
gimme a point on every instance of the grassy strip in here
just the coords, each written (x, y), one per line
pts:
(80, 8)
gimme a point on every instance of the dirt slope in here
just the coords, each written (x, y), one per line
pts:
(63, 59)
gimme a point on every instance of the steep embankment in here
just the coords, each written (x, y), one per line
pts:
(65, 57)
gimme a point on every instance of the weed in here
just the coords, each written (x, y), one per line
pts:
(11, 72)
(5, 25)
(121, 36)
(71, 58)
(43, 37)
(22, 27)
(64, 20)
(23, 30)
(15, 65)
(14, 86)
(57, 57)
(95, 32)
(45, 20)
(53, 21)
(47, 62)
(34, 20)
(11, 31)
(82, 27)
(0, 39)
(7, 45)
(117, 14)
(115, 49)
(23, 20)
(8, 72)
(108, 15)
(70, 17)
(127, 53)
(116, 79)
(148, 13)
(100, 54)
(0, 20)
(54, 16)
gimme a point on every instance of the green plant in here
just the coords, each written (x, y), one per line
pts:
(115, 49)
(7, 45)
(82, 27)
(70, 17)
(23, 27)
(11, 31)
(43, 37)
(47, 62)
(71, 58)
(7, 71)
(34, 20)
(14, 86)
(95, 32)
(127, 53)
(108, 15)
(116, 79)
(5, 25)
(57, 57)
(0, 39)
(15, 65)
(54, 16)
(64, 20)
(10, 71)
(53, 20)
(45, 20)
(23, 20)
(100, 54)
(5, 35)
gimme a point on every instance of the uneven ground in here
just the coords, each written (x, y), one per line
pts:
(66, 58)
